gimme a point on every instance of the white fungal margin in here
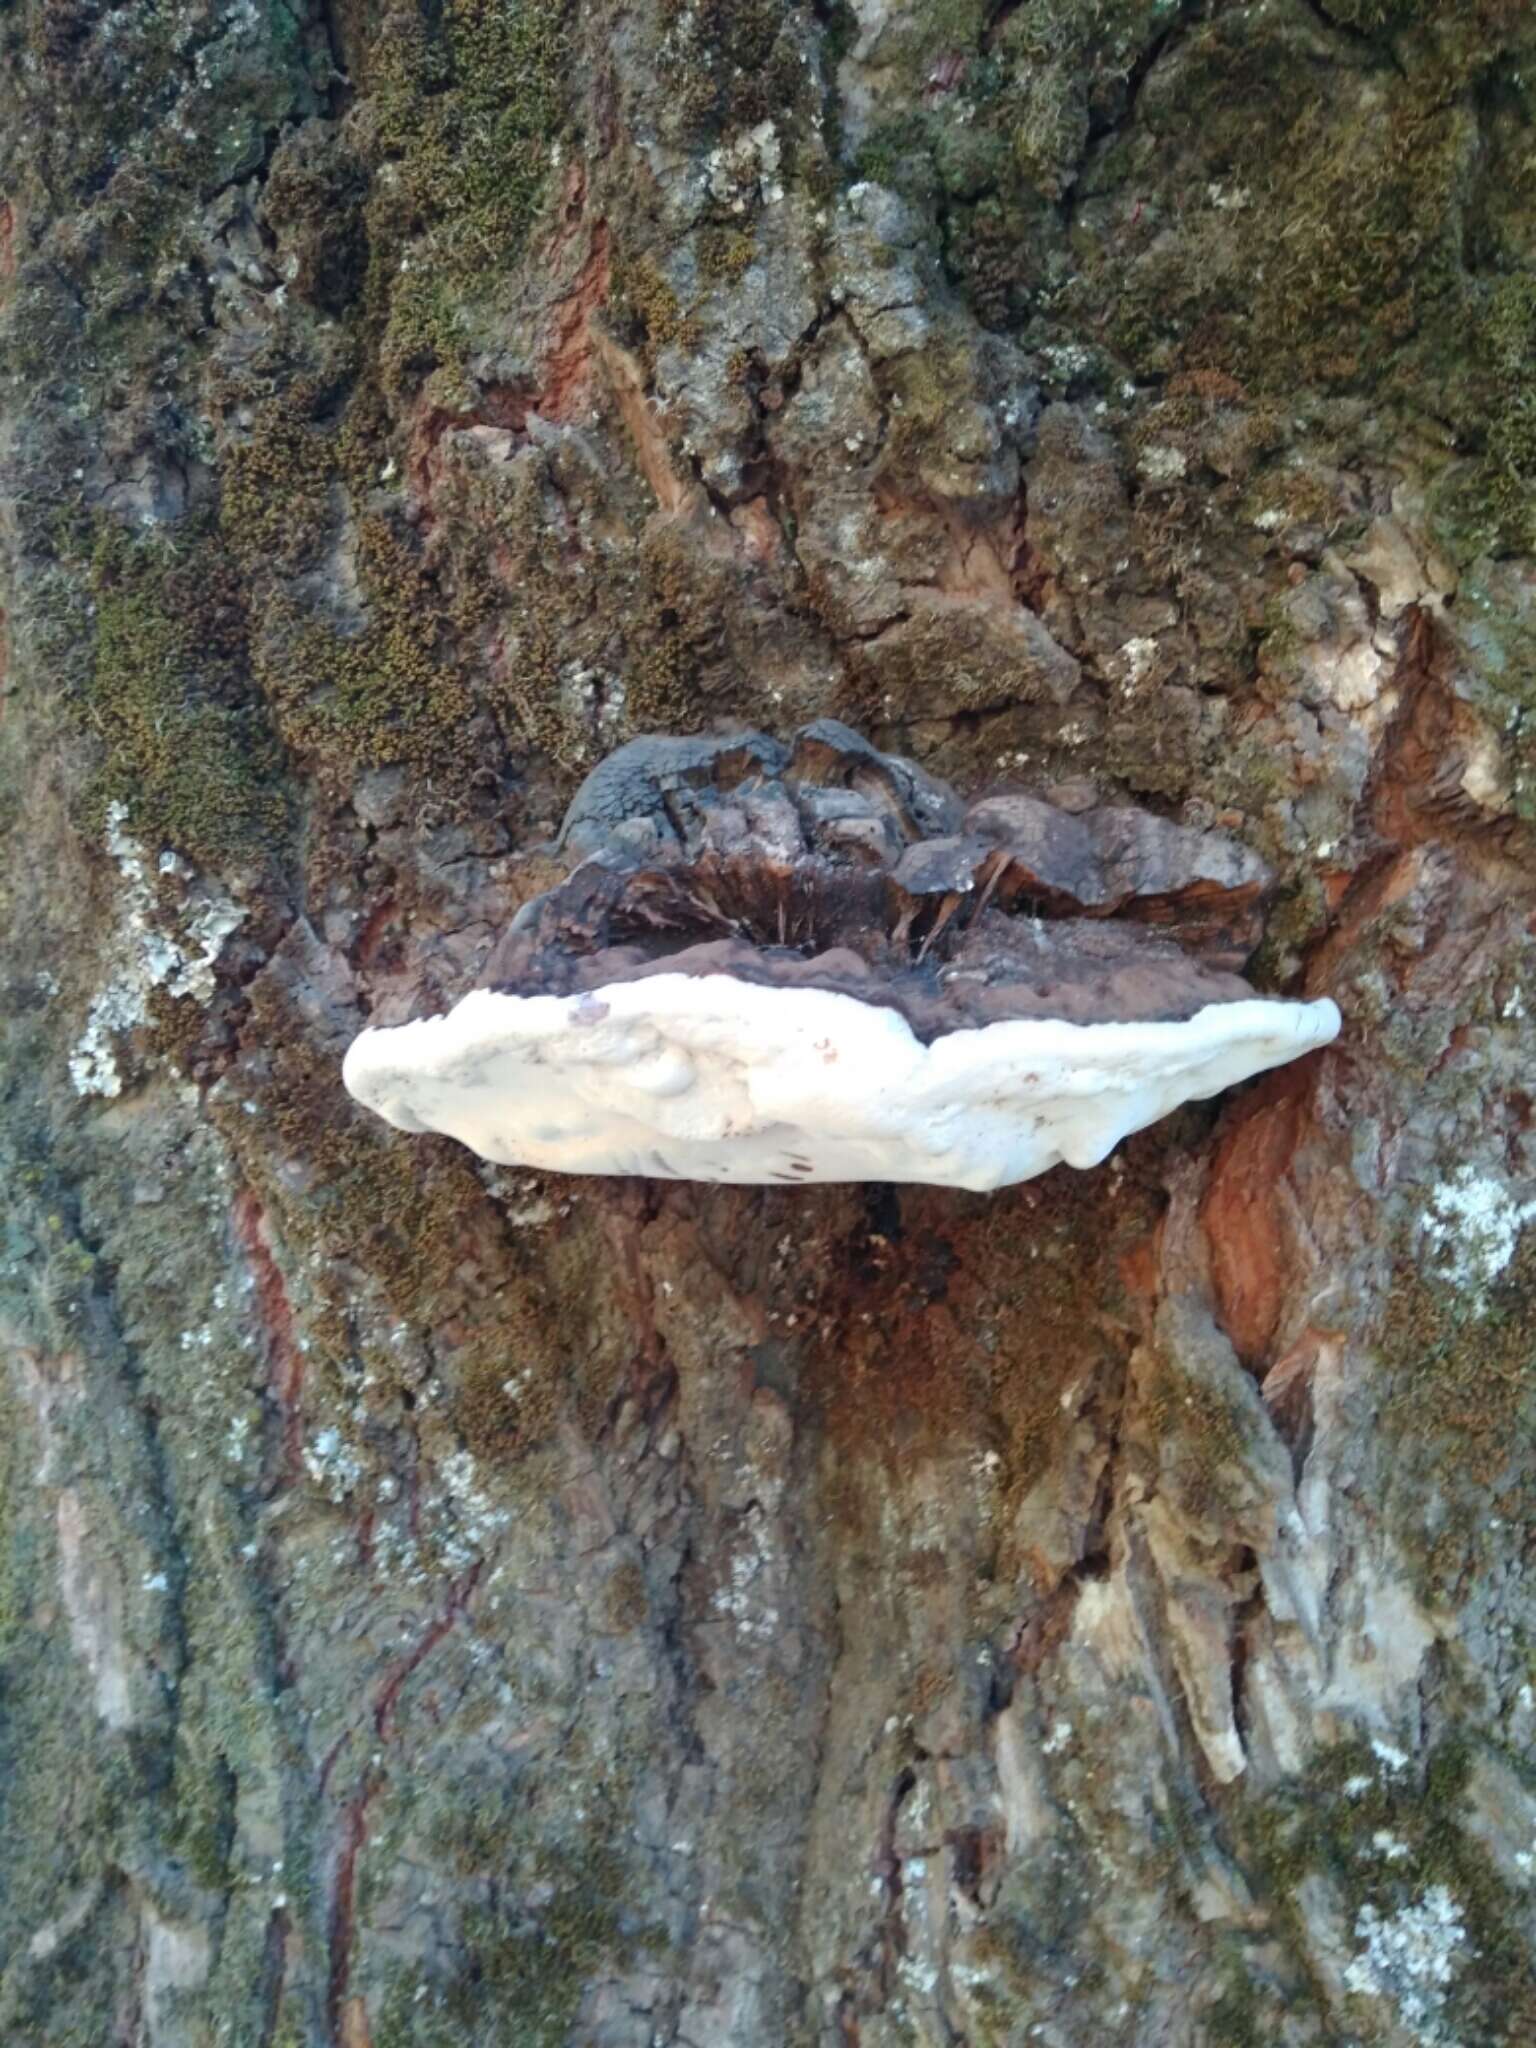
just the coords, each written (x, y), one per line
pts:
(711, 1078)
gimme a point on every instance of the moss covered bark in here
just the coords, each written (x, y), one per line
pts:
(449, 1605)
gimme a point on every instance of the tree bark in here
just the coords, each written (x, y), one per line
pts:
(452, 1605)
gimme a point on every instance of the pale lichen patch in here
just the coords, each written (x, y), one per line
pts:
(331, 1463)
(1410, 1958)
(1473, 1225)
(151, 958)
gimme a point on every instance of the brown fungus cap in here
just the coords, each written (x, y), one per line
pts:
(823, 863)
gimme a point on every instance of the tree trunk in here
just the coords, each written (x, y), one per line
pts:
(451, 1605)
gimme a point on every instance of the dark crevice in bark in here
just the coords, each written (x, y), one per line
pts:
(1379, 46)
(274, 1976)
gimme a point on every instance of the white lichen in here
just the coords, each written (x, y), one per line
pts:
(747, 1598)
(332, 1464)
(1410, 1958)
(1066, 361)
(180, 963)
(475, 1521)
(1137, 657)
(1473, 1226)
(747, 167)
(1162, 464)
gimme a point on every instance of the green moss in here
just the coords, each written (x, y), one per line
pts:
(1299, 917)
(428, 334)
(463, 109)
(725, 254)
(413, 1220)
(531, 689)
(1460, 1363)
(407, 1214)
(558, 1919)
(626, 1601)
(1331, 227)
(1363, 245)
(204, 1825)
(135, 99)
(1153, 743)
(1208, 1435)
(947, 25)
(1068, 60)
(1240, 2018)
(413, 1217)
(396, 692)
(899, 152)
(179, 1030)
(508, 1396)
(1031, 83)
(1327, 1823)
(275, 486)
(314, 196)
(995, 251)
(647, 311)
(1156, 306)
(401, 684)
(539, 1971)
(15, 1541)
(734, 63)
(1487, 505)
(675, 637)
(185, 748)
(1460, 1414)
(923, 389)
(1372, 16)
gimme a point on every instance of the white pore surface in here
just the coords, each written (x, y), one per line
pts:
(704, 1077)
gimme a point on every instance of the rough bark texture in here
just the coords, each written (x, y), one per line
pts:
(439, 1606)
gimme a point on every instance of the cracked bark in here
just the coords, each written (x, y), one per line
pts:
(442, 1605)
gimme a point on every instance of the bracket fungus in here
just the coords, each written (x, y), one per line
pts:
(809, 961)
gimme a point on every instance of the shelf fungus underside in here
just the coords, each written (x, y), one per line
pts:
(809, 961)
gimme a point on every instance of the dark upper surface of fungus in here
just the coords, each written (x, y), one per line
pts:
(821, 862)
